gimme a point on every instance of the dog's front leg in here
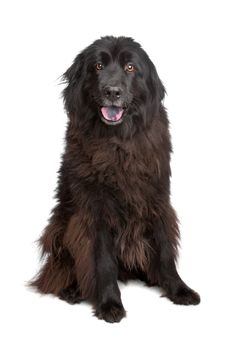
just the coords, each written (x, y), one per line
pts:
(108, 298)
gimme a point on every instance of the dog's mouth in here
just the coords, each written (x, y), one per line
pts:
(112, 115)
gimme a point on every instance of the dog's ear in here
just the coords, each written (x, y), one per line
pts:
(160, 89)
(73, 78)
(156, 87)
(74, 72)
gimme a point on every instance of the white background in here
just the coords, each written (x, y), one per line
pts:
(190, 43)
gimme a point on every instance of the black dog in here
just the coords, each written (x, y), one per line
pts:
(113, 219)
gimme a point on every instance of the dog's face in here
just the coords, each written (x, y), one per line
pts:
(113, 82)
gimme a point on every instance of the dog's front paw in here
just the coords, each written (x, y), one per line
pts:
(110, 312)
(71, 294)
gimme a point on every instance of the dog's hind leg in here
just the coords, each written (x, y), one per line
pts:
(56, 272)
(162, 267)
(54, 276)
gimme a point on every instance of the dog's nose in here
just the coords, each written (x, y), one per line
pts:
(112, 92)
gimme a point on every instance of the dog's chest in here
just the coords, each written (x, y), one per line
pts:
(128, 174)
(125, 166)
(125, 176)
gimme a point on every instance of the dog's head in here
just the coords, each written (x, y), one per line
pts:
(112, 82)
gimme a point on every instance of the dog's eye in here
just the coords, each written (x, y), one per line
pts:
(129, 67)
(99, 66)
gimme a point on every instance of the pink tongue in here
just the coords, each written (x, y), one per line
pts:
(112, 113)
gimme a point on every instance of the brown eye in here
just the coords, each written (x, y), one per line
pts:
(99, 66)
(129, 67)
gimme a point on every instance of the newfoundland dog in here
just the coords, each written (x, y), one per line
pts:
(113, 219)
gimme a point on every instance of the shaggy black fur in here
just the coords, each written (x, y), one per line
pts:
(113, 219)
